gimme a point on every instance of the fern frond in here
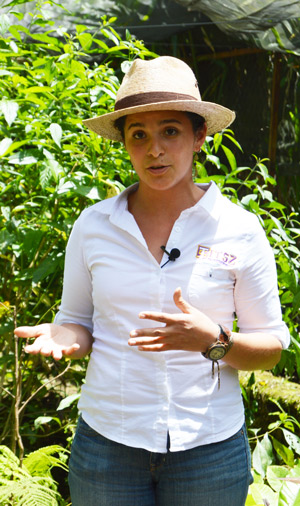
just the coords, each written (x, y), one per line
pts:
(28, 492)
(10, 465)
(41, 461)
(31, 484)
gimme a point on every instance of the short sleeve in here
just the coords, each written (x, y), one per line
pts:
(76, 304)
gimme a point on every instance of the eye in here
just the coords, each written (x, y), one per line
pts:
(171, 131)
(139, 134)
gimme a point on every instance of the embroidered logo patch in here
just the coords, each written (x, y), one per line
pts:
(206, 253)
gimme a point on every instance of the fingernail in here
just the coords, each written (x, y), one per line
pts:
(133, 333)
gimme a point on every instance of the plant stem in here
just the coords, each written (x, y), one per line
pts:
(16, 436)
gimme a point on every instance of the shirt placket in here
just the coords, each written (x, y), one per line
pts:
(174, 241)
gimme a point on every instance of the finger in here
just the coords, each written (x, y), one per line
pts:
(157, 317)
(182, 304)
(34, 348)
(58, 352)
(39, 346)
(144, 339)
(71, 349)
(27, 332)
(155, 348)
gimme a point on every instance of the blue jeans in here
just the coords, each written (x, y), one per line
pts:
(105, 473)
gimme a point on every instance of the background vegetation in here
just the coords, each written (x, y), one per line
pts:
(50, 169)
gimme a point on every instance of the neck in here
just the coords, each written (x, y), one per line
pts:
(167, 203)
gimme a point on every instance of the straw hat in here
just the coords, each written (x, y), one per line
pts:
(164, 83)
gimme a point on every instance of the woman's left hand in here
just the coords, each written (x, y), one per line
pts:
(188, 330)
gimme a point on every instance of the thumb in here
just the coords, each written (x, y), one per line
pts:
(182, 304)
(27, 332)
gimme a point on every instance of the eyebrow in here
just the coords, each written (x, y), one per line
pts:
(162, 122)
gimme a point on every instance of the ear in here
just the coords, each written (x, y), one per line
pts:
(200, 137)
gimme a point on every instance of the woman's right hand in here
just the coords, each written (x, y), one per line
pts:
(50, 339)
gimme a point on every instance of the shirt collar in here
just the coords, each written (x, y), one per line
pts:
(211, 200)
(209, 203)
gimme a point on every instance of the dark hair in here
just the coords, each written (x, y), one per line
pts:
(196, 120)
(120, 125)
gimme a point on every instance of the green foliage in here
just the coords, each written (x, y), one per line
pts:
(32, 483)
(276, 464)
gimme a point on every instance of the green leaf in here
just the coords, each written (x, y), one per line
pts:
(48, 266)
(15, 2)
(68, 401)
(80, 29)
(284, 452)
(18, 15)
(125, 66)
(13, 46)
(218, 137)
(296, 301)
(42, 420)
(39, 89)
(43, 37)
(292, 440)
(110, 36)
(214, 159)
(4, 23)
(290, 493)
(266, 194)
(262, 455)
(56, 133)
(15, 145)
(21, 158)
(4, 145)
(237, 144)
(246, 200)
(251, 502)
(15, 32)
(85, 40)
(4, 72)
(101, 44)
(261, 493)
(41, 461)
(280, 228)
(10, 110)
(45, 176)
(77, 68)
(275, 472)
(230, 157)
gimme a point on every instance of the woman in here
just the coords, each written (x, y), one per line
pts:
(153, 281)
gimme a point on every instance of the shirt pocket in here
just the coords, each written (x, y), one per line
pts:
(211, 290)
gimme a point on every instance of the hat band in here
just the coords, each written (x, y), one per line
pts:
(151, 98)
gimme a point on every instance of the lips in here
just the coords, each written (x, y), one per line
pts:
(157, 169)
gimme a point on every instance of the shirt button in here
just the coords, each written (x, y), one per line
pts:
(177, 229)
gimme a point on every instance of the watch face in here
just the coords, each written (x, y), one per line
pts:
(217, 352)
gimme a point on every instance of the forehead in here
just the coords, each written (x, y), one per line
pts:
(156, 117)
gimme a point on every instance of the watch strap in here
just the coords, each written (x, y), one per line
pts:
(225, 341)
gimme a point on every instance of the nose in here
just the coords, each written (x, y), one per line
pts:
(155, 147)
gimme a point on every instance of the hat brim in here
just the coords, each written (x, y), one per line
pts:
(216, 116)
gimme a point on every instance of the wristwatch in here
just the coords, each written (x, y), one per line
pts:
(221, 346)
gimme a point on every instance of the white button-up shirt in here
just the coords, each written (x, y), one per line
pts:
(226, 269)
